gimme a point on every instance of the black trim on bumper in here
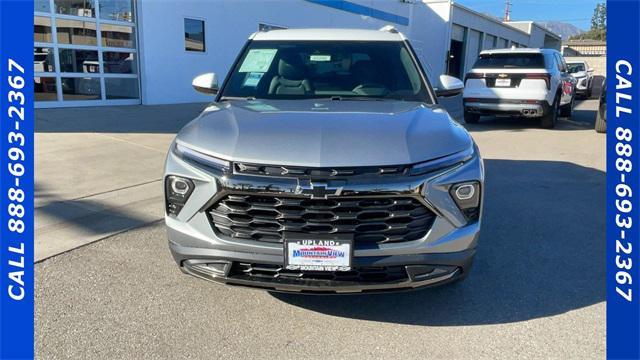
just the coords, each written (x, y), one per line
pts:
(517, 107)
(447, 267)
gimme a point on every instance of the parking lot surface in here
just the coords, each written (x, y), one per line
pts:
(537, 289)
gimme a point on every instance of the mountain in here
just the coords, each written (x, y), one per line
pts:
(563, 29)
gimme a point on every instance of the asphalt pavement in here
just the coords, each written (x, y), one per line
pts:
(537, 289)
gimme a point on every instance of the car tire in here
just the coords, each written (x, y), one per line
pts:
(601, 124)
(550, 118)
(567, 110)
(470, 118)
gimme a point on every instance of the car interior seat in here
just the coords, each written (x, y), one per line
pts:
(291, 78)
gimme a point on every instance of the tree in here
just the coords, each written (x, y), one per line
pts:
(598, 29)
(599, 18)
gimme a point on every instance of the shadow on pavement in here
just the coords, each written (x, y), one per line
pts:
(154, 119)
(92, 216)
(541, 253)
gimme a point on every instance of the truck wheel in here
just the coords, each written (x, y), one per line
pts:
(470, 118)
(601, 125)
(567, 110)
(550, 118)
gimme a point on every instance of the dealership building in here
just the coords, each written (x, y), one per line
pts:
(118, 52)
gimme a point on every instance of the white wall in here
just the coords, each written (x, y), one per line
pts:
(167, 69)
(473, 20)
(472, 49)
(539, 36)
(430, 34)
(489, 42)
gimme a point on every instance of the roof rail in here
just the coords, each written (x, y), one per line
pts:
(389, 29)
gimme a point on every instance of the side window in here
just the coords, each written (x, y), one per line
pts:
(194, 35)
(557, 62)
(564, 64)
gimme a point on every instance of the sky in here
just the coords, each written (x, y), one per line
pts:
(576, 12)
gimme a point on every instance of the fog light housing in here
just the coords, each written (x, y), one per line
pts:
(177, 191)
(467, 196)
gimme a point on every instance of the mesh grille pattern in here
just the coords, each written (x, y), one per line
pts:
(370, 220)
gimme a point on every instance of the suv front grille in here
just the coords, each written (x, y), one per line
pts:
(370, 220)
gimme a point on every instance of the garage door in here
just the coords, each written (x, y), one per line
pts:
(85, 53)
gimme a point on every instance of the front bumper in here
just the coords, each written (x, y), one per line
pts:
(444, 254)
(582, 85)
(523, 108)
(419, 272)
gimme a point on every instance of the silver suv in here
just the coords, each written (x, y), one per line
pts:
(324, 164)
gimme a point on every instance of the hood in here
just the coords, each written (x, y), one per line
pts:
(324, 133)
(579, 74)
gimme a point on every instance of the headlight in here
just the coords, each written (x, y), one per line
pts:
(467, 196)
(443, 162)
(189, 154)
(177, 190)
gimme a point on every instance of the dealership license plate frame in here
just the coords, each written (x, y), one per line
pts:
(503, 83)
(332, 242)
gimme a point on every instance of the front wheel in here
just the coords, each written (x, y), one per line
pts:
(549, 120)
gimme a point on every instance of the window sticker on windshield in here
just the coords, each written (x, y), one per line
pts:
(258, 60)
(320, 58)
(252, 79)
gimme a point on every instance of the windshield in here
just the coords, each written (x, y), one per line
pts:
(507, 61)
(326, 69)
(574, 68)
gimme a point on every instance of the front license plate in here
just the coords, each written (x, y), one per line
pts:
(318, 255)
(503, 82)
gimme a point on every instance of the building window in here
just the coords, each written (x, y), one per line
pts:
(116, 62)
(78, 61)
(43, 60)
(76, 7)
(83, 88)
(194, 35)
(41, 29)
(118, 36)
(44, 89)
(116, 10)
(76, 32)
(41, 6)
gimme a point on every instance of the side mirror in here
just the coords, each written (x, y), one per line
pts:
(590, 70)
(449, 86)
(206, 83)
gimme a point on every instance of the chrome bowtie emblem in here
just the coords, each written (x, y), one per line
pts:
(316, 190)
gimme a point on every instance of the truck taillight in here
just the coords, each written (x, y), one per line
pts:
(545, 77)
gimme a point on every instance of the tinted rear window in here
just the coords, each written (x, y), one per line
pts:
(510, 61)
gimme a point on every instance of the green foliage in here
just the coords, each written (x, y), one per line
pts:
(591, 35)
(598, 25)
(599, 18)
